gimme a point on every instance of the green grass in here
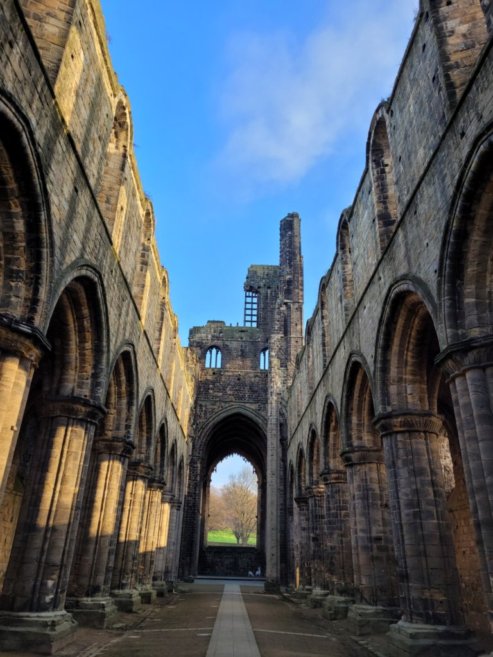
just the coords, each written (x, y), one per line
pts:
(227, 536)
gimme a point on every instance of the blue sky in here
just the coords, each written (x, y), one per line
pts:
(244, 111)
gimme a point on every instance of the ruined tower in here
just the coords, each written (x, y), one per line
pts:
(243, 371)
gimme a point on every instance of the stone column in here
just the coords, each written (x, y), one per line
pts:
(428, 580)
(21, 348)
(469, 366)
(90, 601)
(173, 552)
(337, 539)
(37, 577)
(149, 539)
(302, 545)
(168, 562)
(373, 558)
(125, 573)
(162, 545)
(316, 518)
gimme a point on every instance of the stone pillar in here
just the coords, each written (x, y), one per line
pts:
(21, 348)
(373, 558)
(149, 538)
(338, 564)
(469, 366)
(37, 578)
(90, 602)
(168, 561)
(174, 543)
(301, 544)
(125, 573)
(162, 545)
(316, 519)
(428, 580)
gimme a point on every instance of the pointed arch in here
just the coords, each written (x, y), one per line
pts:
(358, 409)
(111, 194)
(25, 244)
(466, 264)
(145, 429)
(314, 461)
(142, 280)
(160, 456)
(382, 177)
(345, 264)
(331, 438)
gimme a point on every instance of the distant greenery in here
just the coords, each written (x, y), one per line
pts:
(227, 536)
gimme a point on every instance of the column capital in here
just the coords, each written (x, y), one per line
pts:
(360, 455)
(155, 483)
(471, 353)
(139, 469)
(332, 477)
(168, 497)
(301, 500)
(114, 446)
(77, 408)
(22, 339)
(408, 421)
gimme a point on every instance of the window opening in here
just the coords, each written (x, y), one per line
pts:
(251, 308)
(264, 359)
(213, 358)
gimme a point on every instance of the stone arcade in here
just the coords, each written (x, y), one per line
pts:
(371, 436)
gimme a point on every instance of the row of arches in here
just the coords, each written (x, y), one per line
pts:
(92, 470)
(94, 484)
(396, 473)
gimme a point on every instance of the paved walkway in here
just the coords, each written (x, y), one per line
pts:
(216, 619)
(232, 635)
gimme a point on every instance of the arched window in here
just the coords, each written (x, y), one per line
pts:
(264, 359)
(213, 358)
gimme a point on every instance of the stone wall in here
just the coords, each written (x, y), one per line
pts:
(92, 374)
(402, 313)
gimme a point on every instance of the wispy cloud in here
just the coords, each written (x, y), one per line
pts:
(287, 101)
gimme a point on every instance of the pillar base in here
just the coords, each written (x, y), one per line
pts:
(40, 632)
(336, 607)
(161, 589)
(367, 619)
(92, 612)
(317, 598)
(147, 596)
(272, 586)
(413, 639)
(127, 600)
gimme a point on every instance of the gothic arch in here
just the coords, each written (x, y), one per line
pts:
(345, 263)
(403, 328)
(25, 233)
(382, 176)
(111, 193)
(146, 430)
(466, 267)
(331, 437)
(160, 457)
(314, 459)
(358, 406)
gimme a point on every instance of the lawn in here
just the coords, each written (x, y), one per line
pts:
(227, 536)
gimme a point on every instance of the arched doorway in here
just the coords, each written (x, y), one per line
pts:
(241, 432)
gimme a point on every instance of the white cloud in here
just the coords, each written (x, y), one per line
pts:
(286, 102)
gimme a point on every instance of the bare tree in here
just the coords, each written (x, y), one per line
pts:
(217, 510)
(240, 499)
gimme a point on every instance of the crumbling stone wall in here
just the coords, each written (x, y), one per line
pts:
(383, 379)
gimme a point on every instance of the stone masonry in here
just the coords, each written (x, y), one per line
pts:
(371, 434)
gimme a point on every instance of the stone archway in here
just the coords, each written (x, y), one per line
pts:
(236, 431)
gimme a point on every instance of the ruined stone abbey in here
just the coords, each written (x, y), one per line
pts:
(370, 428)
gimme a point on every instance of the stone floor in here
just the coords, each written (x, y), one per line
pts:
(221, 619)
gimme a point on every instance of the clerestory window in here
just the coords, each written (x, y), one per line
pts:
(213, 358)
(251, 308)
(264, 359)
